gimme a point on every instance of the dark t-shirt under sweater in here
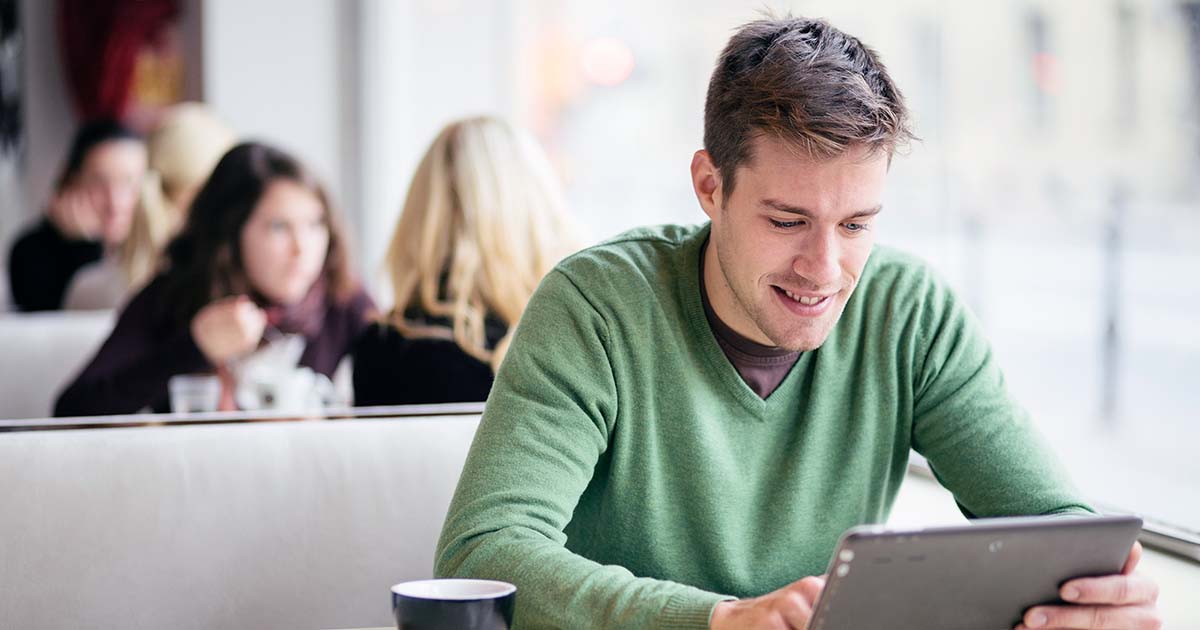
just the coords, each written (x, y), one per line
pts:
(762, 367)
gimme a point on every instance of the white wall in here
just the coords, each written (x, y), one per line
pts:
(48, 118)
(270, 69)
(285, 72)
(423, 64)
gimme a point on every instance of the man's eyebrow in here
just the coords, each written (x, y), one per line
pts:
(869, 212)
(805, 212)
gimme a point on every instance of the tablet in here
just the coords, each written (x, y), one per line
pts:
(981, 576)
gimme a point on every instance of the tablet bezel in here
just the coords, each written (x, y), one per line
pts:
(940, 562)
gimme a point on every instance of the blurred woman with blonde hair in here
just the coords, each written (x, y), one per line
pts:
(181, 152)
(483, 222)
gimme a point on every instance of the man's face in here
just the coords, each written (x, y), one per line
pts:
(789, 245)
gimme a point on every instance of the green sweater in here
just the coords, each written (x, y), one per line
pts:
(624, 476)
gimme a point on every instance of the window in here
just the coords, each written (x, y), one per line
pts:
(1056, 187)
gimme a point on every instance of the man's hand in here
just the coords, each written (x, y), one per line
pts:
(1125, 601)
(788, 608)
(228, 328)
(77, 212)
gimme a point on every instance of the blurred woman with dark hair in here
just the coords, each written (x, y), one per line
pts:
(261, 252)
(91, 210)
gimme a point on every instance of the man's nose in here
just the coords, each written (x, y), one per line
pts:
(818, 260)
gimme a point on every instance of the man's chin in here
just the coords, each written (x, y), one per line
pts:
(800, 343)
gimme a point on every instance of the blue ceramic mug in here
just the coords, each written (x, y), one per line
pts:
(451, 604)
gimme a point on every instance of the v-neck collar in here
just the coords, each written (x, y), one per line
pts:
(689, 288)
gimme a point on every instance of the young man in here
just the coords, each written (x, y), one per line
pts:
(689, 415)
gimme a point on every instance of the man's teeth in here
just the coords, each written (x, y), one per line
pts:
(808, 301)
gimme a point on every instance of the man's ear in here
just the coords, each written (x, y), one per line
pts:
(706, 181)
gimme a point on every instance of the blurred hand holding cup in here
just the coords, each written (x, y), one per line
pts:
(194, 393)
(272, 378)
(452, 604)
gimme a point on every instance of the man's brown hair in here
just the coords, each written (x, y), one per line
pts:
(803, 82)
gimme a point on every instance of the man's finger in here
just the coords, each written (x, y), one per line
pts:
(795, 610)
(1092, 618)
(1111, 589)
(810, 587)
(1135, 555)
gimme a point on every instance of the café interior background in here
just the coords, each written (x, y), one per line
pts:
(1056, 183)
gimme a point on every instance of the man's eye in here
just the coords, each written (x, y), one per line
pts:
(783, 225)
(856, 227)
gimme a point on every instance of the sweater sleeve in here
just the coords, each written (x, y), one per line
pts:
(979, 442)
(131, 370)
(546, 426)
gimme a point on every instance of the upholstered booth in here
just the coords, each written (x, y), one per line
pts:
(288, 525)
(41, 352)
(298, 524)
